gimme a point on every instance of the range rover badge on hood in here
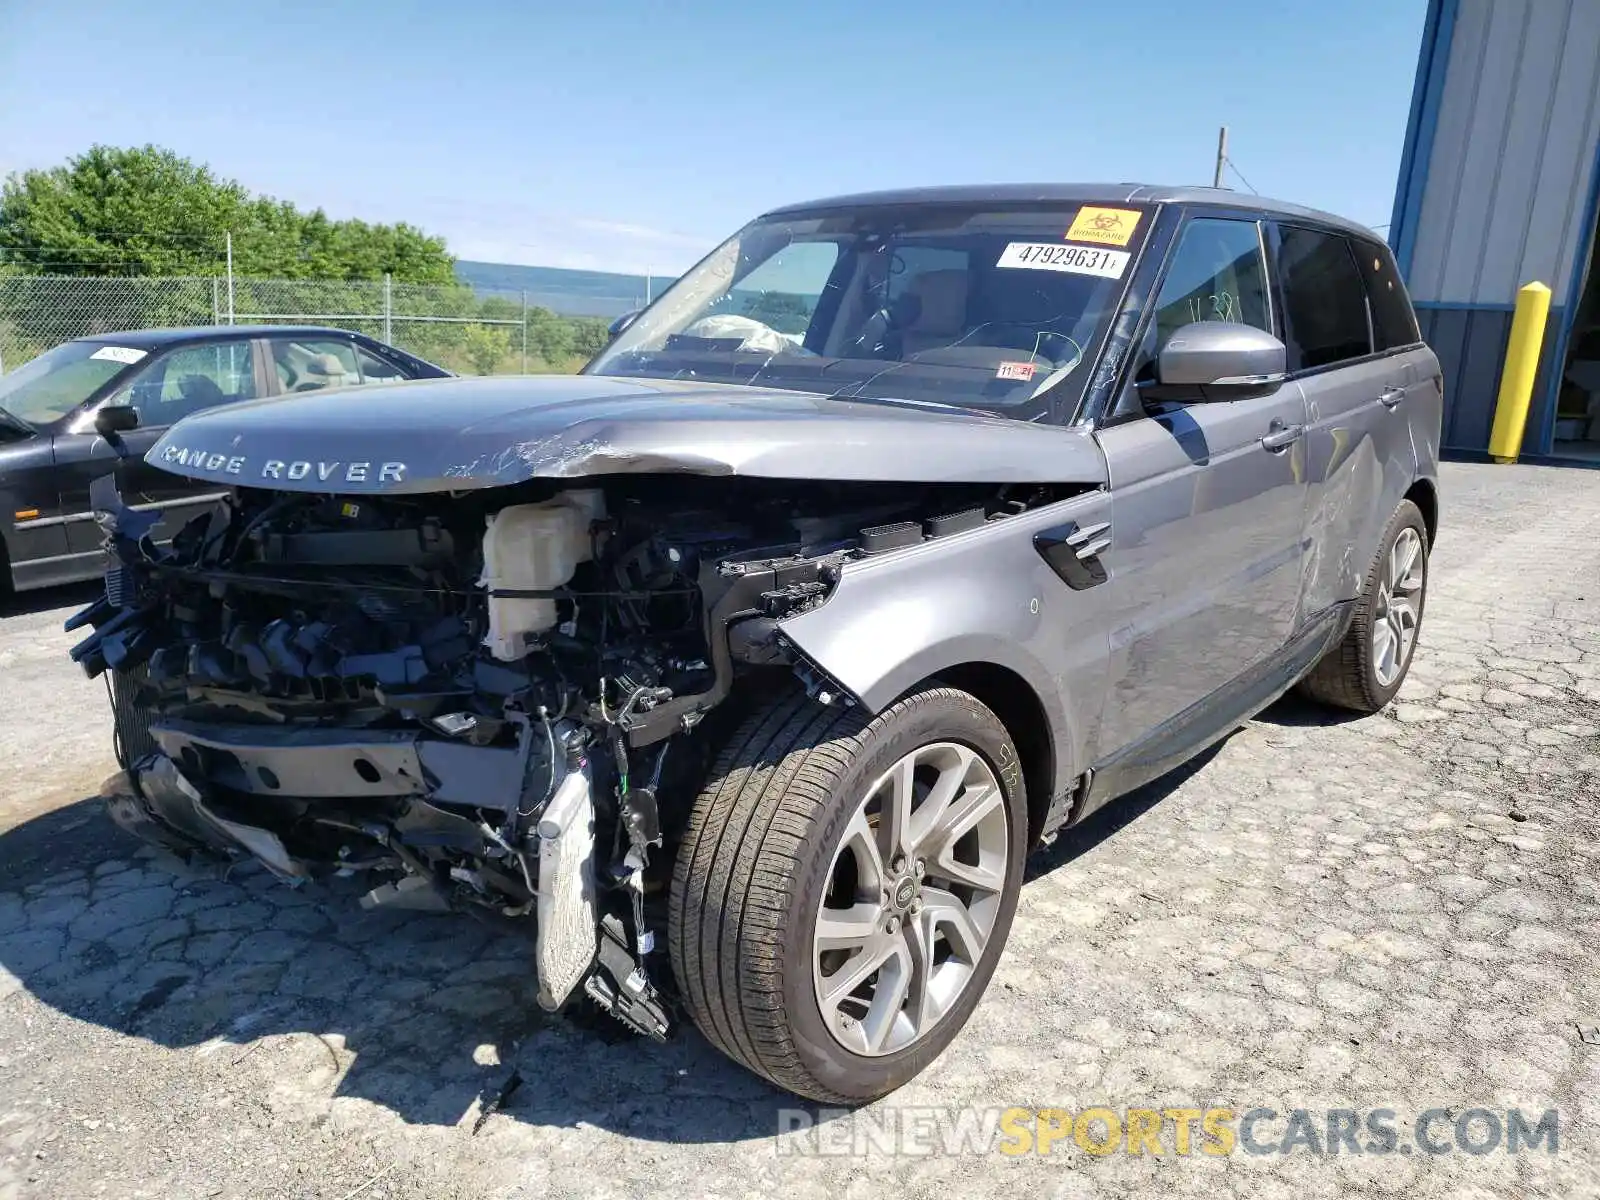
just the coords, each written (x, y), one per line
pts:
(273, 468)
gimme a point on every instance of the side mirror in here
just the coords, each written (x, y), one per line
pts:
(112, 419)
(622, 322)
(1220, 360)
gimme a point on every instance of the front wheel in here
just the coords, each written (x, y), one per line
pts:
(1365, 670)
(845, 887)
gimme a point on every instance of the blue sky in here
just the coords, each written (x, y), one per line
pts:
(633, 134)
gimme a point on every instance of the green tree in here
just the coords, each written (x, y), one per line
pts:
(589, 336)
(114, 212)
(148, 211)
(499, 308)
(549, 336)
(485, 346)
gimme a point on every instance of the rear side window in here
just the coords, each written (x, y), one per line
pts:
(308, 366)
(1394, 324)
(375, 369)
(1323, 299)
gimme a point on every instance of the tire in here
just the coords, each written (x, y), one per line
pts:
(784, 823)
(1355, 674)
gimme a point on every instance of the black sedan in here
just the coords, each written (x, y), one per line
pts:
(50, 450)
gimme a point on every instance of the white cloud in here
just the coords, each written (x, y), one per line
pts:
(577, 243)
(641, 233)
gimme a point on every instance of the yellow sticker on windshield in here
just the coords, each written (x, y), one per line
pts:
(1108, 226)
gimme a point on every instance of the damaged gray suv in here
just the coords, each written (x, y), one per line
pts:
(901, 532)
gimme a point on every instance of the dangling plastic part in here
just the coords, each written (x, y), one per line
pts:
(568, 915)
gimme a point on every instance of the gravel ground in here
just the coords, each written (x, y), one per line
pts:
(1397, 912)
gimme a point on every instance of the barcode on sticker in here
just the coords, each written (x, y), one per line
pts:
(1054, 256)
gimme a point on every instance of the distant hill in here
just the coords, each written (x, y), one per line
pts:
(571, 293)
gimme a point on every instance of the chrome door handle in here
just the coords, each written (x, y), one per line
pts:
(1391, 397)
(1286, 435)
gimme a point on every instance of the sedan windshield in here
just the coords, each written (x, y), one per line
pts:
(45, 389)
(966, 305)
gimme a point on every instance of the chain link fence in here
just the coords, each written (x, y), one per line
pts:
(448, 325)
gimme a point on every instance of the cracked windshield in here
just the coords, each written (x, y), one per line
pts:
(937, 305)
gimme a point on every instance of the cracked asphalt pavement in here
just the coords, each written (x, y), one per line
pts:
(1394, 912)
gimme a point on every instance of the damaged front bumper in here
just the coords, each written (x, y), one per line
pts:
(339, 776)
(174, 799)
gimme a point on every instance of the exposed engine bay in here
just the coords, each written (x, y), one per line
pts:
(489, 700)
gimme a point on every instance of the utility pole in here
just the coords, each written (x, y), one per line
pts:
(648, 278)
(1222, 156)
(230, 278)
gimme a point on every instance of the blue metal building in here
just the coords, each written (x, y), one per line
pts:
(1498, 187)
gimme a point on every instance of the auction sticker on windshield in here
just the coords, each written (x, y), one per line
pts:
(1053, 256)
(121, 354)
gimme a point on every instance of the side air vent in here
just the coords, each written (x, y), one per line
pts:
(1074, 551)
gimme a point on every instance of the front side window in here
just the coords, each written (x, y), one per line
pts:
(1216, 274)
(1323, 299)
(191, 380)
(956, 304)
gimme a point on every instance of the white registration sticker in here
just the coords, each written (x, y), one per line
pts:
(1054, 256)
(121, 354)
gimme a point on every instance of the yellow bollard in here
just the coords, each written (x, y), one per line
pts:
(1522, 364)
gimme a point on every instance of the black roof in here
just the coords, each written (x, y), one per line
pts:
(153, 339)
(1081, 193)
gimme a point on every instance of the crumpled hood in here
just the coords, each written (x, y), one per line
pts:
(456, 434)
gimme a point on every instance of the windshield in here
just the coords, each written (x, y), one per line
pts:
(964, 305)
(47, 388)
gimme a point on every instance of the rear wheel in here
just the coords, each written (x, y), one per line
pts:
(845, 887)
(1365, 670)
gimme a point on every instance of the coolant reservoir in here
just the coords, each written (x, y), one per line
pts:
(533, 547)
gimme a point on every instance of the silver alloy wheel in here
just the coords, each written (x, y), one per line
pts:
(911, 899)
(1394, 628)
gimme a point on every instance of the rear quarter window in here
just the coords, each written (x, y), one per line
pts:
(1394, 323)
